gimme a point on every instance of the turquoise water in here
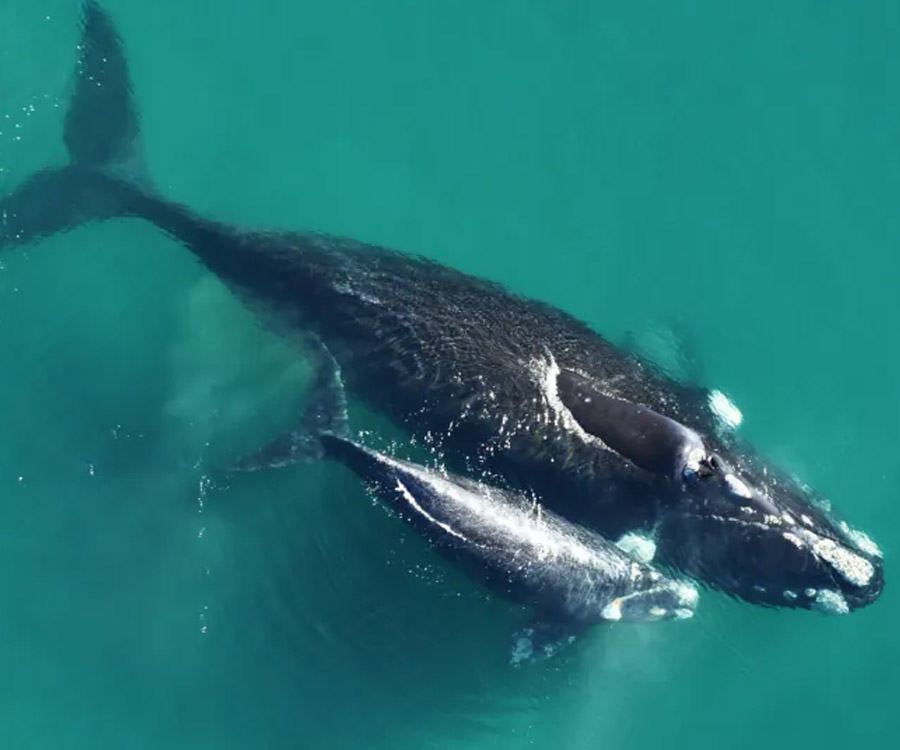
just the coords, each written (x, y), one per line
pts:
(732, 172)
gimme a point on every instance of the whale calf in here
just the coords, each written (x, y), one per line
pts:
(516, 389)
(569, 577)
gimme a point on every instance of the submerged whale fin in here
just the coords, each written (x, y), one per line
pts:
(671, 347)
(325, 411)
(102, 138)
(541, 639)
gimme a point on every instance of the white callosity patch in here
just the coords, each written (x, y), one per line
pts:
(725, 409)
(637, 546)
(831, 601)
(613, 610)
(737, 486)
(850, 566)
(635, 571)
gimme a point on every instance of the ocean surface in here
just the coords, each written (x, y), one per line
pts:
(723, 177)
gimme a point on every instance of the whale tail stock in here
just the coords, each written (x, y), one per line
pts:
(101, 133)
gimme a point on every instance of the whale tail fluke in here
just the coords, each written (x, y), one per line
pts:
(102, 138)
(102, 127)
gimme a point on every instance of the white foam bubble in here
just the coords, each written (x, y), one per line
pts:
(725, 409)
(523, 648)
(853, 568)
(861, 540)
(407, 495)
(688, 594)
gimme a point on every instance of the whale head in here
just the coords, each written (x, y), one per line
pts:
(762, 538)
(667, 600)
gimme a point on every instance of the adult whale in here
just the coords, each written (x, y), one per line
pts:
(516, 389)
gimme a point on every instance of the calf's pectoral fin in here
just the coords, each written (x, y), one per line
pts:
(542, 639)
(324, 411)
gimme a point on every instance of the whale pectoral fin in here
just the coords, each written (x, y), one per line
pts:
(288, 449)
(542, 639)
(325, 411)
